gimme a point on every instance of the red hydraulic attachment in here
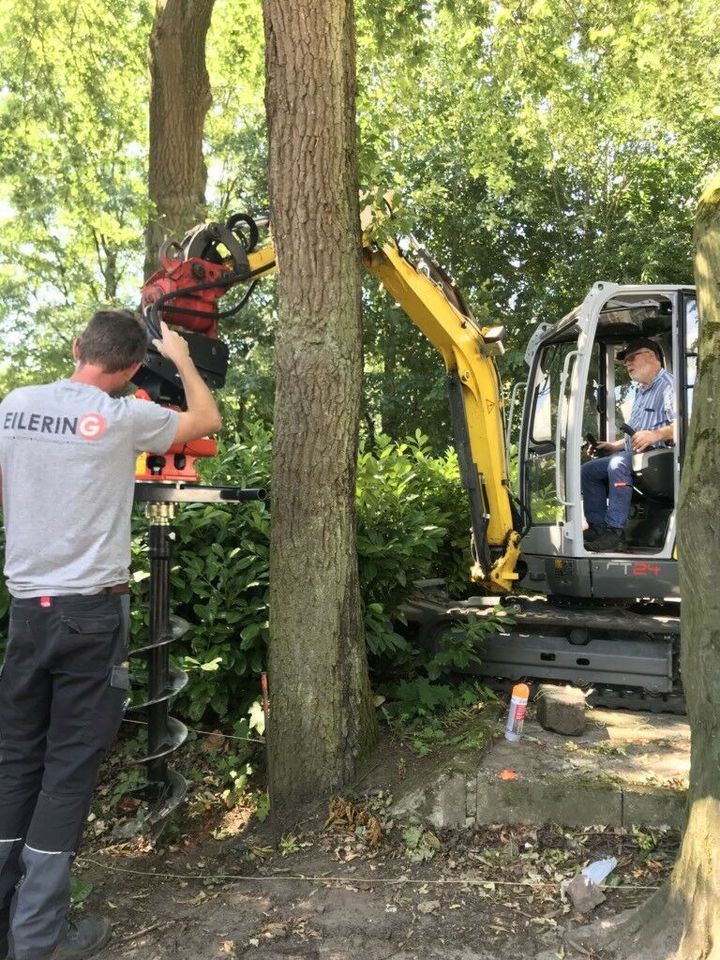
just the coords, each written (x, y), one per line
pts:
(178, 463)
(193, 311)
(184, 292)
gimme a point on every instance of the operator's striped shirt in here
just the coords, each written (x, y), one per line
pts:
(653, 406)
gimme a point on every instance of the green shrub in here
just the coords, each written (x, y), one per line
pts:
(424, 682)
(407, 504)
(219, 584)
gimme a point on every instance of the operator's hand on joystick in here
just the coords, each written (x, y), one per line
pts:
(642, 439)
(597, 448)
(172, 346)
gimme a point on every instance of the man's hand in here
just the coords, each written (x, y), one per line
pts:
(604, 448)
(642, 439)
(172, 346)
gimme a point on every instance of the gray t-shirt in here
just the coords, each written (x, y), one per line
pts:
(67, 455)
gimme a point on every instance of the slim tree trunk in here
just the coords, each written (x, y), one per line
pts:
(321, 713)
(682, 921)
(179, 101)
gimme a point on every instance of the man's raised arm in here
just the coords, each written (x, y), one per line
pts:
(202, 416)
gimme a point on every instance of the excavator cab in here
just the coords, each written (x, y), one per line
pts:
(577, 389)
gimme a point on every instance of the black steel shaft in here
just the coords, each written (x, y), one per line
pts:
(160, 549)
(164, 787)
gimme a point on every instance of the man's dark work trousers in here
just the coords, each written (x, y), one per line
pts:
(63, 689)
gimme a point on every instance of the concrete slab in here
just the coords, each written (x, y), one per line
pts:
(626, 769)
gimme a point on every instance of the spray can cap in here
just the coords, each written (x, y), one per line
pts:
(521, 691)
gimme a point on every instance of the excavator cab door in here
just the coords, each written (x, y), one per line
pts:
(577, 389)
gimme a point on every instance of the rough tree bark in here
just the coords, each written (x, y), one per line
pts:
(179, 101)
(321, 713)
(682, 921)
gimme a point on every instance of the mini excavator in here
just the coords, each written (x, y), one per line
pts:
(606, 621)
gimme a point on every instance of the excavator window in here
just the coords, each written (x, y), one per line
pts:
(549, 408)
(654, 470)
(624, 396)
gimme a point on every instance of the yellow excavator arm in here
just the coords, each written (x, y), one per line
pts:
(468, 350)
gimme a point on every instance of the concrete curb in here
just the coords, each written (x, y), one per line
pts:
(614, 777)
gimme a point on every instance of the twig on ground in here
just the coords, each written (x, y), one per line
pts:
(373, 881)
(141, 933)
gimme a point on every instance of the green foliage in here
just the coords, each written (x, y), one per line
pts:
(262, 809)
(235, 127)
(647, 840)
(219, 584)
(232, 772)
(539, 147)
(288, 845)
(412, 524)
(80, 890)
(404, 383)
(420, 844)
(420, 682)
(72, 157)
(421, 697)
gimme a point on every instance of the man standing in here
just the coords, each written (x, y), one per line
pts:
(607, 481)
(67, 457)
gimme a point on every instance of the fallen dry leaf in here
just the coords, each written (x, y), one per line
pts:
(428, 906)
(344, 813)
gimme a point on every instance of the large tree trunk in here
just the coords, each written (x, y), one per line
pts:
(696, 877)
(179, 101)
(321, 712)
(682, 921)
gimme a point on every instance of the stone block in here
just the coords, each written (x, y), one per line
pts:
(444, 803)
(561, 709)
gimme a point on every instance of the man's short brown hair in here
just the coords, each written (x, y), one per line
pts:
(114, 339)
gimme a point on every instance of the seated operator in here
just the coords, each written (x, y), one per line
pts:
(607, 481)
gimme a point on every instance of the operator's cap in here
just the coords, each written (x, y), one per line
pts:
(641, 343)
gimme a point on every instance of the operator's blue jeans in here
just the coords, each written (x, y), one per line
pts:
(607, 490)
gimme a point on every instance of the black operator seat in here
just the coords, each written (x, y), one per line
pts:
(654, 474)
(653, 470)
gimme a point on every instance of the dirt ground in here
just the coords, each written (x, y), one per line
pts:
(356, 884)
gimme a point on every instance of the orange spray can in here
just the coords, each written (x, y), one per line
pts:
(517, 710)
